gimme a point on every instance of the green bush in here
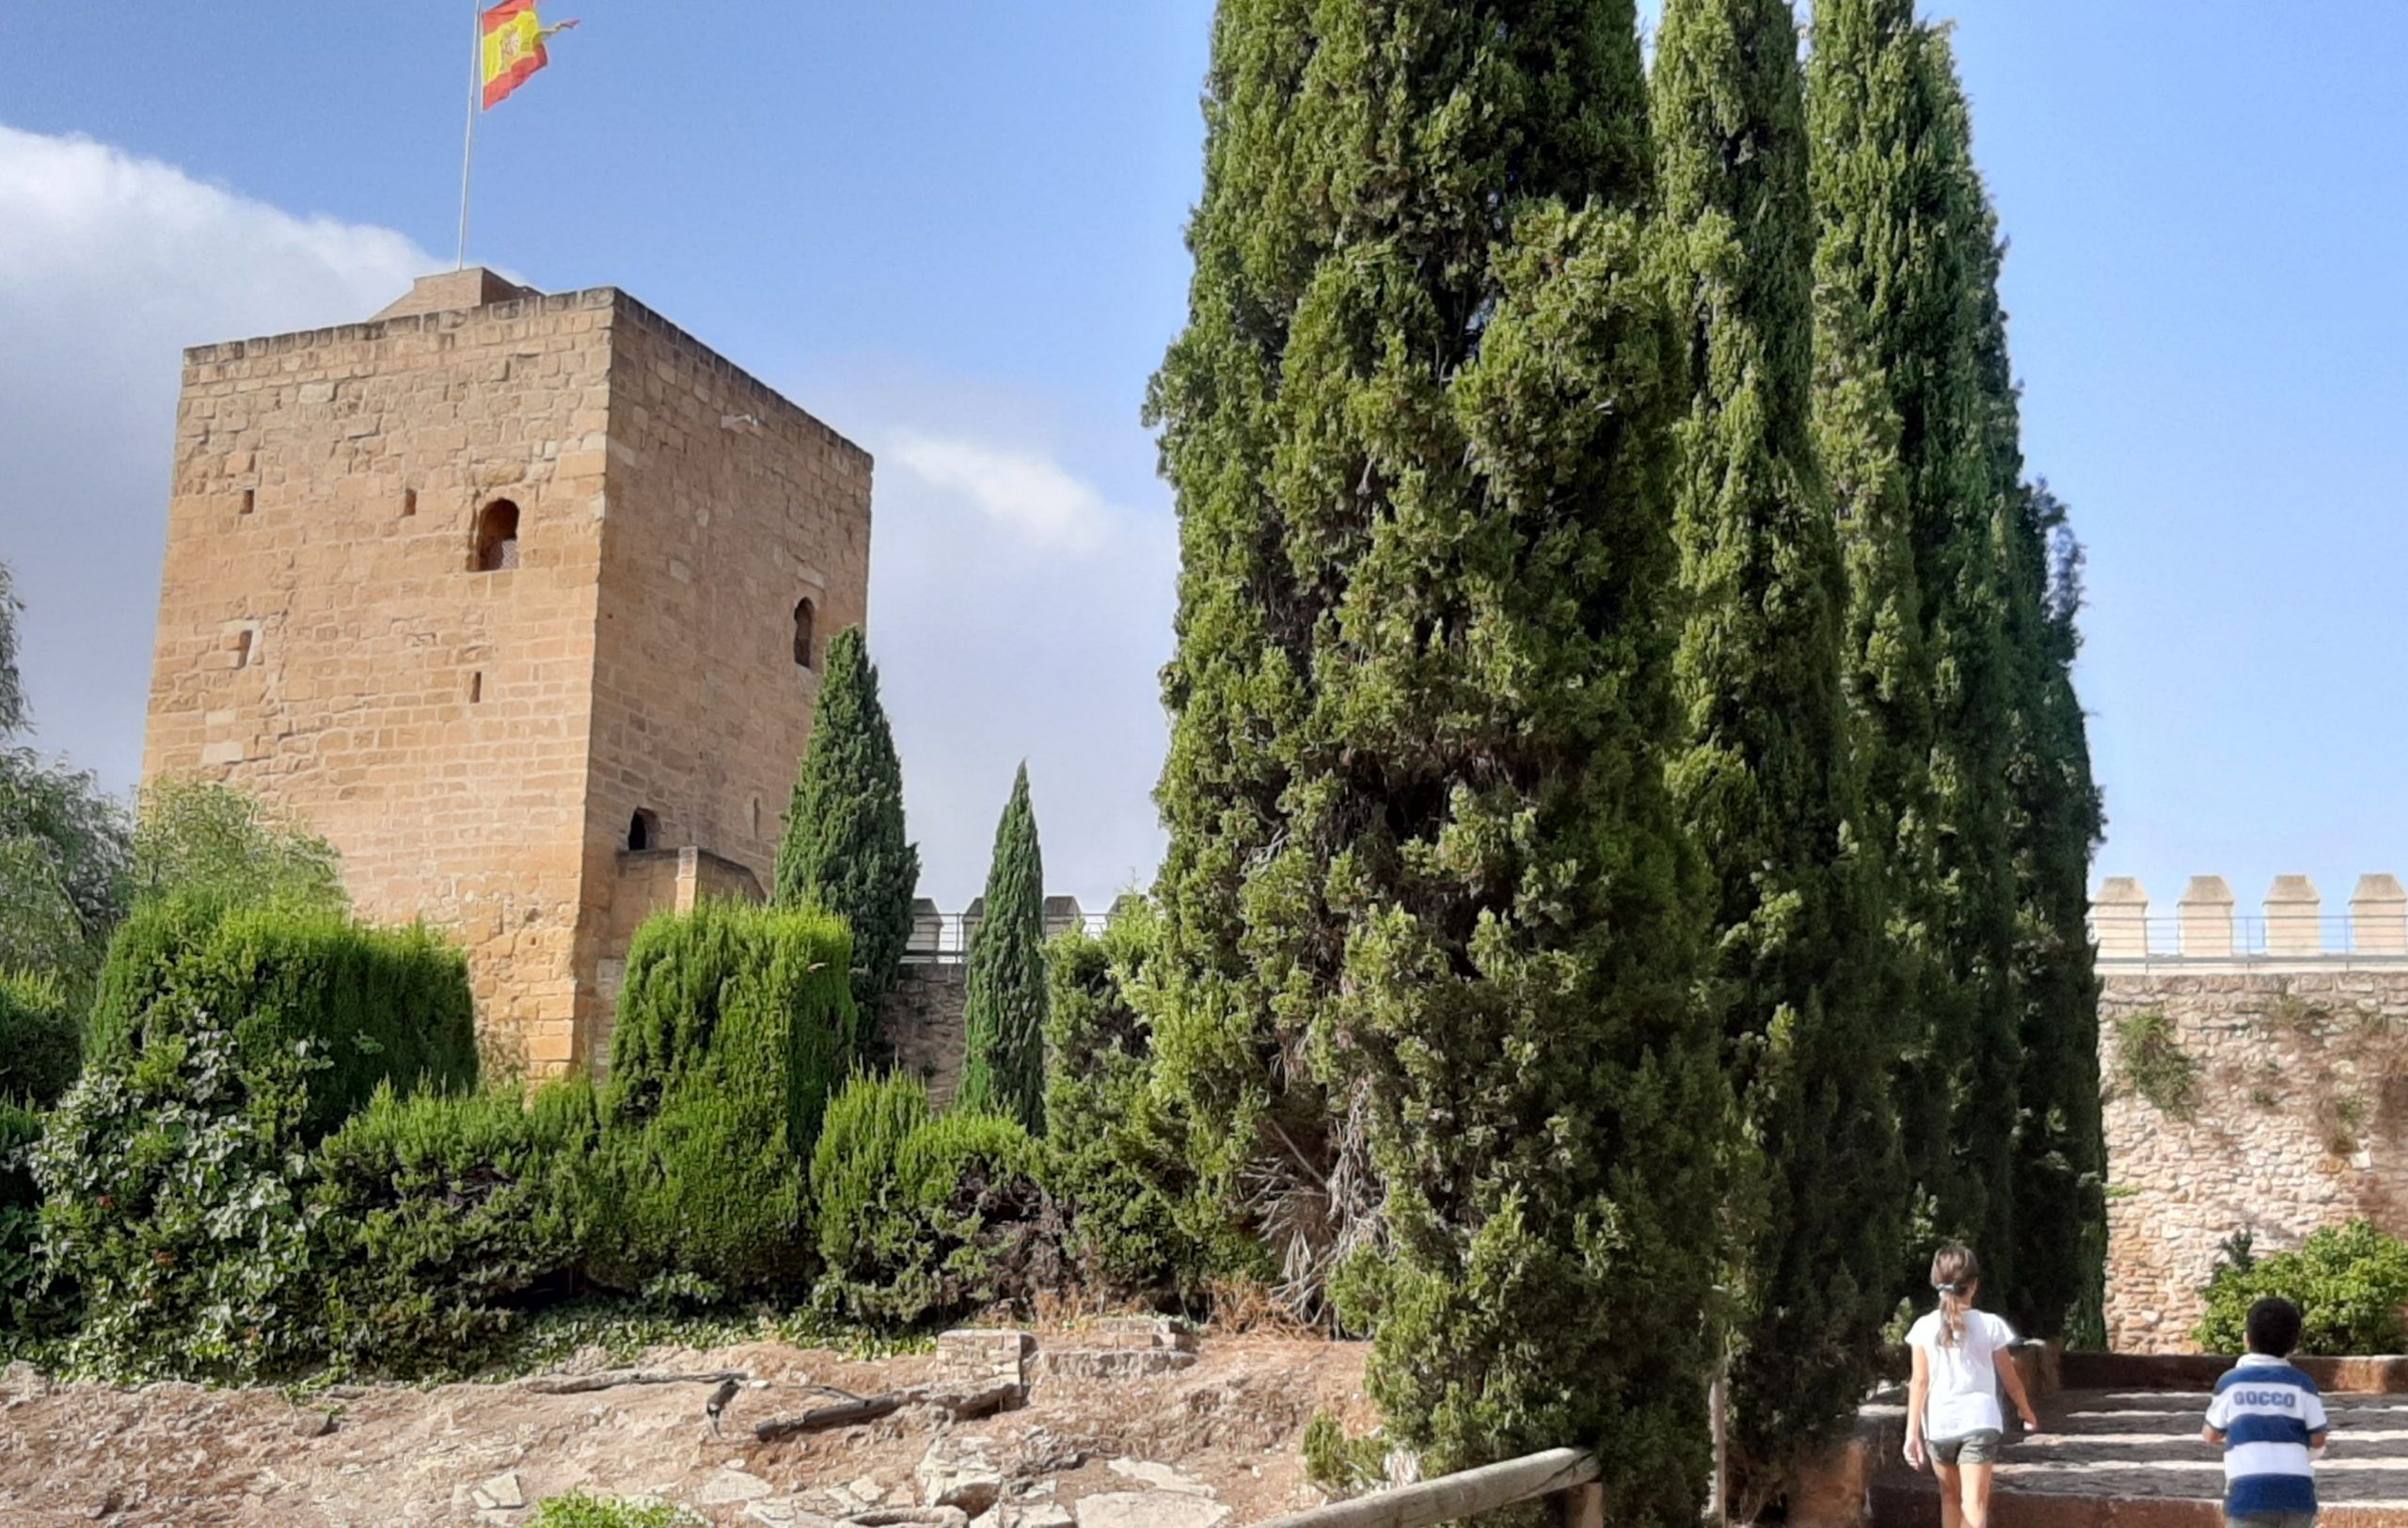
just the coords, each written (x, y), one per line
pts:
(41, 1043)
(735, 1023)
(173, 1185)
(441, 1218)
(579, 1510)
(20, 1212)
(2349, 1282)
(204, 837)
(1112, 1157)
(364, 1004)
(927, 1217)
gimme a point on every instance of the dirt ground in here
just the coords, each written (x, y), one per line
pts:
(1228, 1429)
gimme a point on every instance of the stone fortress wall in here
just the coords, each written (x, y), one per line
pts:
(2256, 1070)
(504, 593)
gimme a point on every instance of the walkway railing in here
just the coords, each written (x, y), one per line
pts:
(1568, 1475)
(943, 938)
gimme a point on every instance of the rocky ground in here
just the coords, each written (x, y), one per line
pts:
(1110, 1425)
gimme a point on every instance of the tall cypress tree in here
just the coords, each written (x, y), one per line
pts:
(1002, 1066)
(844, 850)
(1765, 781)
(1429, 923)
(1908, 399)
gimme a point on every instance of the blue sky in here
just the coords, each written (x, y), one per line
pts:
(954, 232)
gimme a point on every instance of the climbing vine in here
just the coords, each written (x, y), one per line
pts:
(2152, 1063)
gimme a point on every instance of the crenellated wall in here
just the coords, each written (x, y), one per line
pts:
(2255, 1068)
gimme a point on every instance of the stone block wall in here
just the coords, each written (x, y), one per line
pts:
(2257, 1079)
(924, 1024)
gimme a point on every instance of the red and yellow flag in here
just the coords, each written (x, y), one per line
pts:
(514, 47)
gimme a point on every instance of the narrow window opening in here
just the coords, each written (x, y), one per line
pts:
(409, 502)
(240, 646)
(497, 544)
(756, 817)
(476, 688)
(804, 654)
(250, 500)
(643, 830)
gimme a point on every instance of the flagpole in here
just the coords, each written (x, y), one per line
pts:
(469, 148)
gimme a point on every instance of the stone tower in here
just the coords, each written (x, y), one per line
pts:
(520, 600)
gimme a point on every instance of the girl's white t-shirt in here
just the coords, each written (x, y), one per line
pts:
(1963, 1399)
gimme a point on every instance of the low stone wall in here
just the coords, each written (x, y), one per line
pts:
(2242, 1100)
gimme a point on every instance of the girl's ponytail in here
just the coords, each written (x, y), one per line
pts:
(1955, 1271)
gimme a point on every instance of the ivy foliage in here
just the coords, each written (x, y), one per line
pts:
(2349, 1282)
(1429, 924)
(1003, 1068)
(735, 1024)
(844, 851)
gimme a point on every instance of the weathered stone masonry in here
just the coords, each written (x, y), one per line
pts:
(2282, 1084)
(485, 585)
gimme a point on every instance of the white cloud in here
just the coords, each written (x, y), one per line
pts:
(110, 264)
(1035, 631)
(1026, 492)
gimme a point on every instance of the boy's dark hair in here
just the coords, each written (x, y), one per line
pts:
(2274, 1326)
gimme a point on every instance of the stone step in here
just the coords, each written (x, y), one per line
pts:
(1901, 1499)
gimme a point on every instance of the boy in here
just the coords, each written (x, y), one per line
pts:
(2266, 1417)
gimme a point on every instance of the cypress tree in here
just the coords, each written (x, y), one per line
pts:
(1002, 1067)
(2061, 1153)
(844, 850)
(1765, 781)
(1428, 921)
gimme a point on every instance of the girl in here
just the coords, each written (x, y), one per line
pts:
(1961, 1358)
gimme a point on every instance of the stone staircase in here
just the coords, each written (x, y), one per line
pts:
(2117, 1458)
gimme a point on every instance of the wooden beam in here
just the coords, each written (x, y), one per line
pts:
(1472, 1491)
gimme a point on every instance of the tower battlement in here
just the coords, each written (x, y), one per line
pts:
(504, 592)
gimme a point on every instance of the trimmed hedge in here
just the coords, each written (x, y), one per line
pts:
(372, 1004)
(441, 1218)
(19, 1211)
(735, 1023)
(924, 1219)
(41, 1043)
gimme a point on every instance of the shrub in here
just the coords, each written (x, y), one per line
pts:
(1112, 1157)
(172, 1182)
(366, 1004)
(2349, 1281)
(441, 1218)
(579, 1510)
(735, 1023)
(41, 1043)
(20, 1212)
(927, 1217)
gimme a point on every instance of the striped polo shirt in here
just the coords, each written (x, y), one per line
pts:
(2267, 1410)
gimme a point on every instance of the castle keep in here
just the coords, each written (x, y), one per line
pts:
(519, 599)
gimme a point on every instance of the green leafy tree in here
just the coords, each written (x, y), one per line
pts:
(207, 838)
(1429, 925)
(1909, 408)
(1766, 783)
(1003, 1068)
(62, 843)
(844, 850)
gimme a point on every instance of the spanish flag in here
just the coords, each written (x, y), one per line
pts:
(514, 47)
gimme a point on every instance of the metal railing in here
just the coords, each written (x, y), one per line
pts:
(2330, 940)
(1568, 1475)
(943, 938)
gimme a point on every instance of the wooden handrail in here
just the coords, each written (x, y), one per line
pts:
(1568, 1473)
